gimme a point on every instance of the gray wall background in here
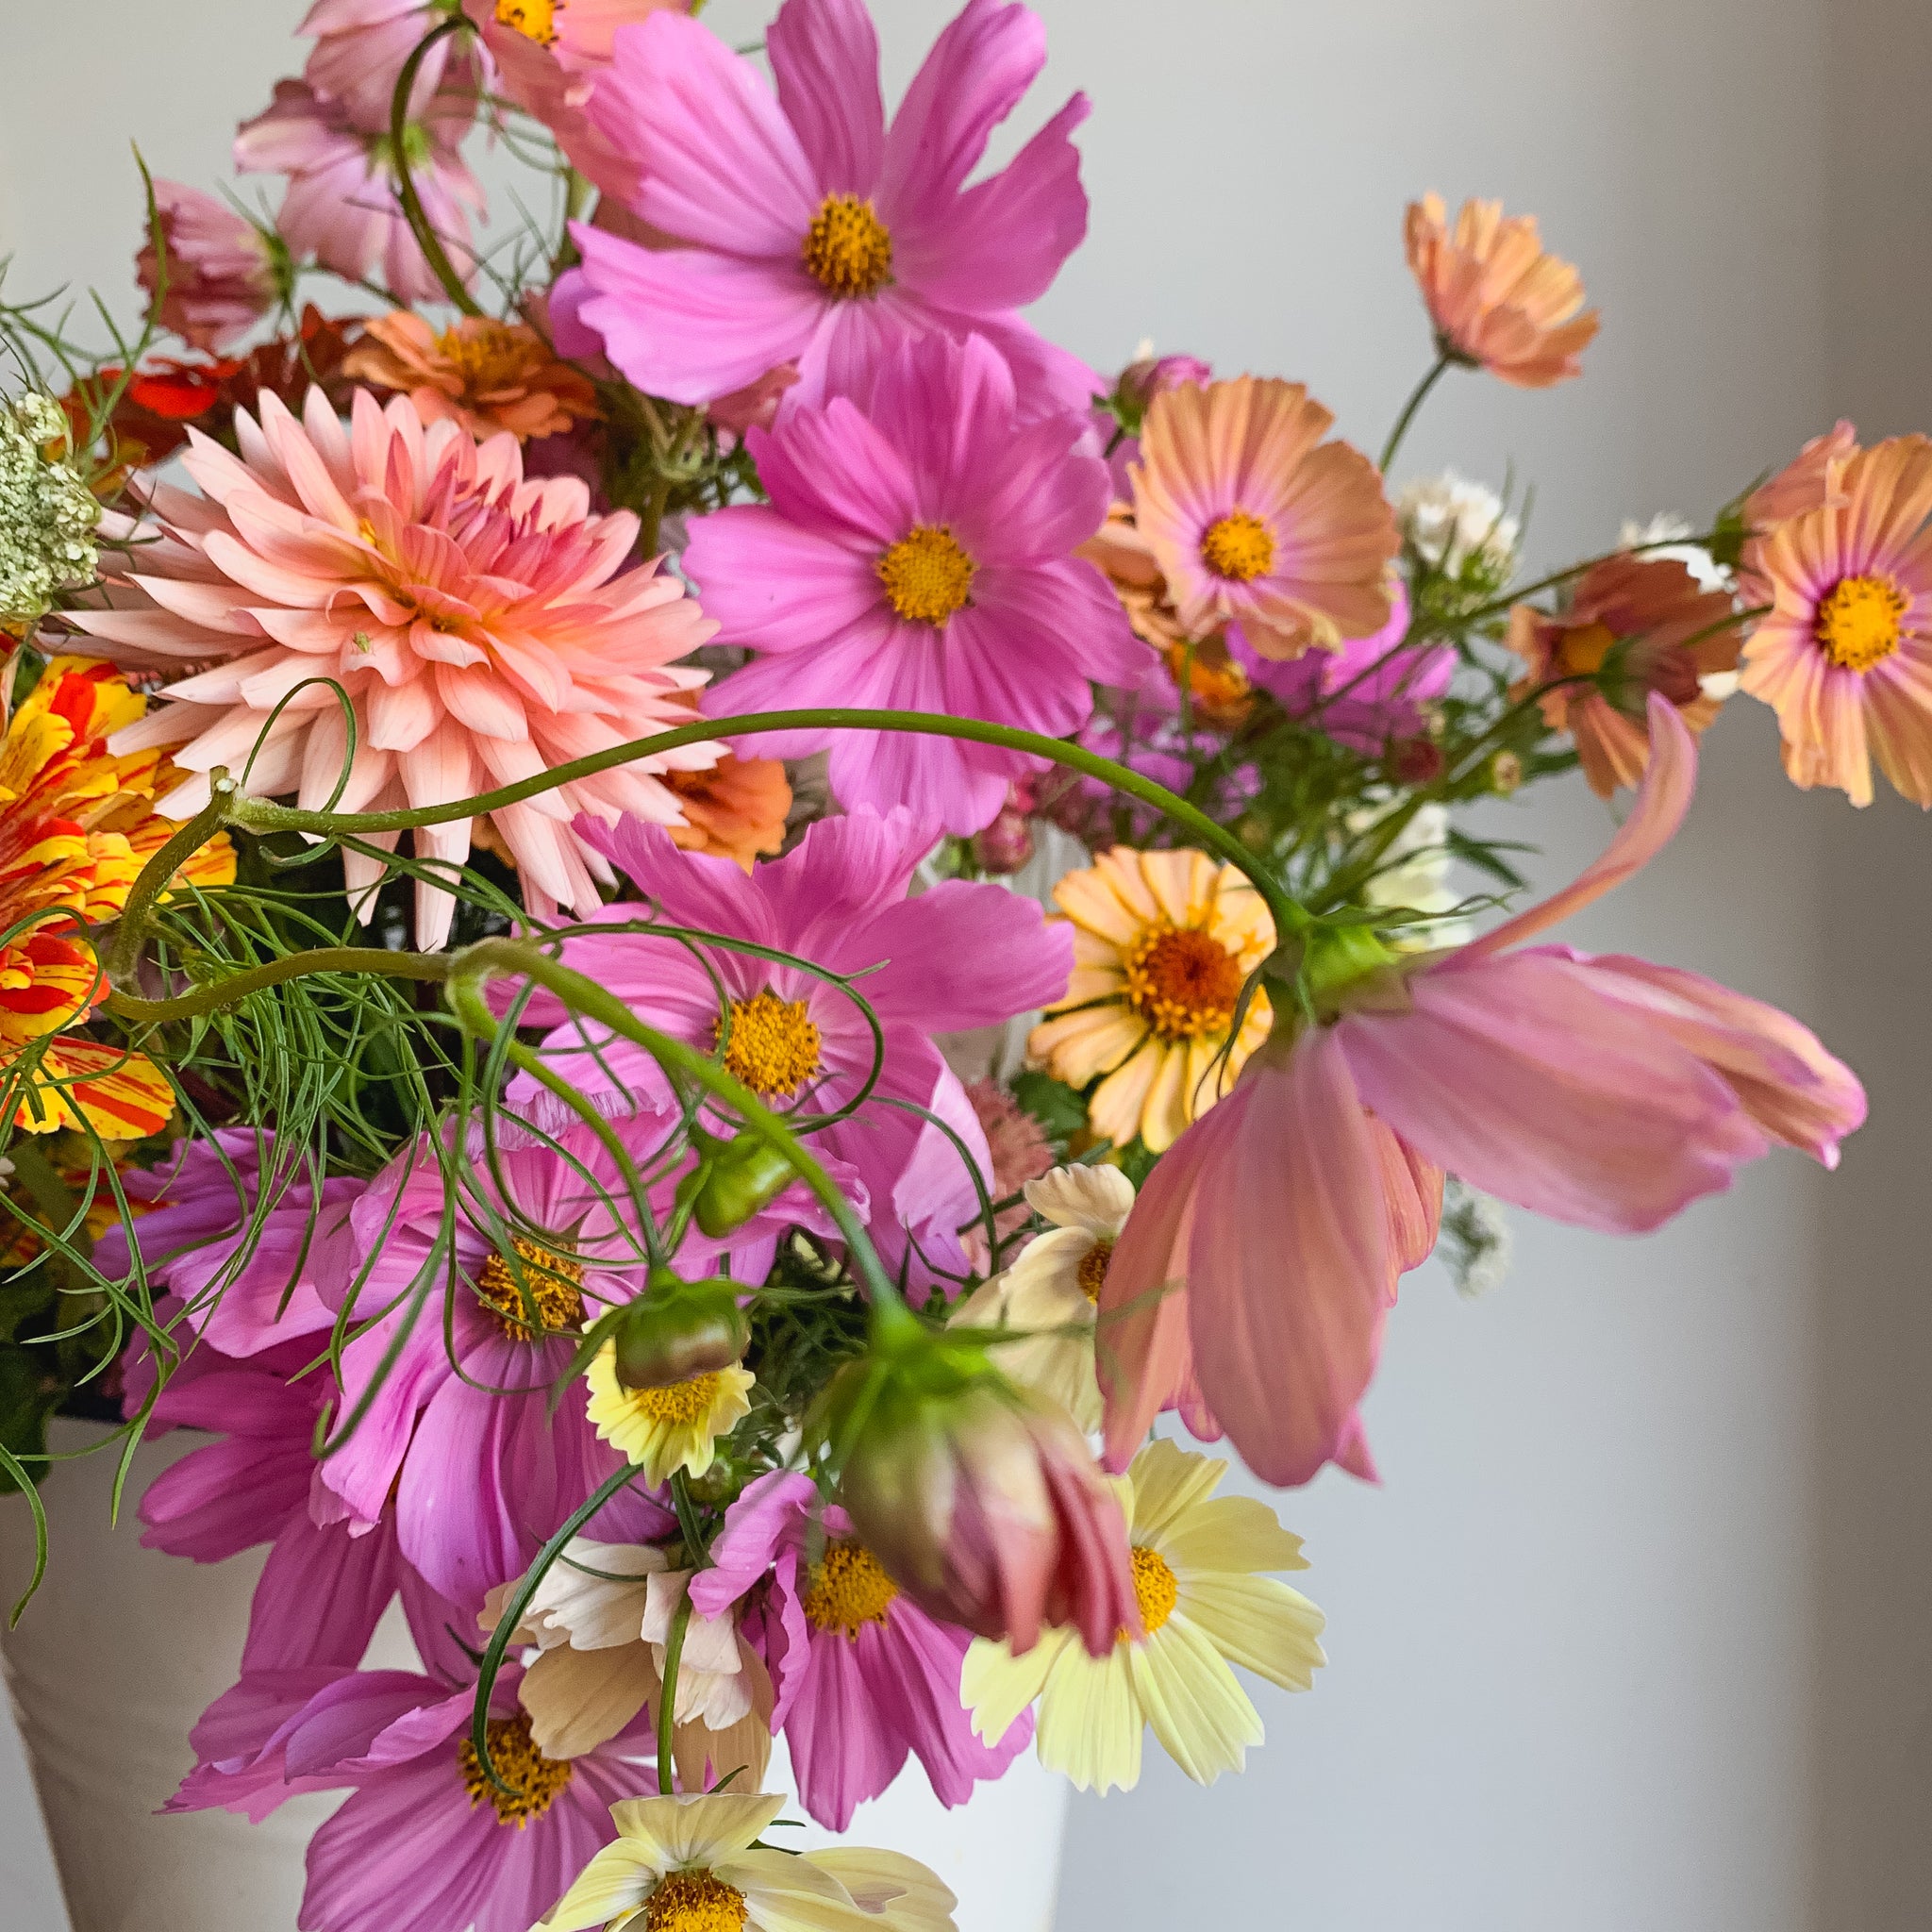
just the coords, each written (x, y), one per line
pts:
(1636, 1631)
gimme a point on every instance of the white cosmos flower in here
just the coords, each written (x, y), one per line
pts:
(1049, 1293)
(1452, 522)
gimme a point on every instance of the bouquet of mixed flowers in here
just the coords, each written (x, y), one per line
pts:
(687, 924)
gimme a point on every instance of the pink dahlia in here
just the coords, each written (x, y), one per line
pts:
(1607, 1092)
(341, 206)
(1364, 696)
(459, 1439)
(427, 1841)
(222, 277)
(917, 555)
(956, 956)
(484, 627)
(800, 228)
(864, 1676)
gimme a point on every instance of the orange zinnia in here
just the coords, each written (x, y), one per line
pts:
(737, 809)
(77, 826)
(486, 375)
(1499, 302)
(1633, 625)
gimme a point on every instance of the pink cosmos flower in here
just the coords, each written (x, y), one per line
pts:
(548, 58)
(361, 47)
(484, 627)
(956, 956)
(341, 206)
(1368, 692)
(459, 1439)
(221, 272)
(1605, 1093)
(917, 555)
(802, 229)
(425, 1842)
(864, 1676)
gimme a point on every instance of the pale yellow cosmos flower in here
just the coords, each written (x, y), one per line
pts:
(663, 1430)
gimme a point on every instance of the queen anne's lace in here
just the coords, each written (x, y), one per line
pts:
(47, 514)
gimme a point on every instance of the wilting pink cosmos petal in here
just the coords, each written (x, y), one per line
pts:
(917, 555)
(799, 227)
(484, 626)
(1605, 1093)
(221, 278)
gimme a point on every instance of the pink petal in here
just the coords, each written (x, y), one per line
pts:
(825, 56)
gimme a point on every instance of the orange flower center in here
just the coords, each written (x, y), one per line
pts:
(1092, 1270)
(848, 1590)
(1582, 651)
(694, 1902)
(848, 251)
(534, 1780)
(676, 1403)
(554, 1283)
(1860, 623)
(926, 575)
(1239, 546)
(1183, 982)
(536, 20)
(1156, 1589)
(486, 355)
(773, 1048)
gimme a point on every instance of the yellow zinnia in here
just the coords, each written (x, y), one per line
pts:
(1163, 944)
(666, 1429)
(1204, 1607)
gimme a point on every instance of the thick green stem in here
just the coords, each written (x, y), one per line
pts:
(256, 815)
(122, 953)
(227, 992)
(427, 238)
(1409, 408)
(667, 1704)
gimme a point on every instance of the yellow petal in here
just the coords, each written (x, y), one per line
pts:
(891, 1887)
(695, 1831)
(1117, 1103)
(1091, 1719)
(1258, 1622)
(788, 1893)
(1202, 1717)
(617, 1880)
(1169, 1481)
(1077, 1046)
(1234, 1534)
(996, 1686)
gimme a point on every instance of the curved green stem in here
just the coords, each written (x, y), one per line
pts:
(1417, 398)
(256, 815)
(427, 238)
(667, 1704)
(226, 993)
(122, 953)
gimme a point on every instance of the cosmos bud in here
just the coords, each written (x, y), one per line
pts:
(679, 1329)
(733, 1180)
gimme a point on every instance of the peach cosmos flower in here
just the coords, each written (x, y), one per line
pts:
(737, 809)
(1498, 301)
(1254, 519)
(1635, 626)
(483, 627)
(1163, 944)
(78, 822)
(481, 372)
(1845, 657)
(1814, 479)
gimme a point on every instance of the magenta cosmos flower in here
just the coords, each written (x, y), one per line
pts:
(1603, 1091)
(459, 1439)
(800, 228)
(864, 1676)
(956, 956)
(340, 205)
(917, 555)
(425, 1842)
(484, 627)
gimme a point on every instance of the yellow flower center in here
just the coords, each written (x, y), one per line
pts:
(847, 249)
(1092, 1270)
(1183, 982)
(676, 1402)
(553, 1282)
(694, 1902)
(1859, 623)
(534, 1780)
(536, 20)
(486, 355)
(1582, 651)
(1156, 1588)
(773, 1046)
(1239, 545)
(926, 575)
(848, 1589)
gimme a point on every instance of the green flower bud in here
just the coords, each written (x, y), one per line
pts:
(679, 1329)
(732, 1180)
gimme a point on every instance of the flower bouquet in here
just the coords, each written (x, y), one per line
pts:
(690, 926)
